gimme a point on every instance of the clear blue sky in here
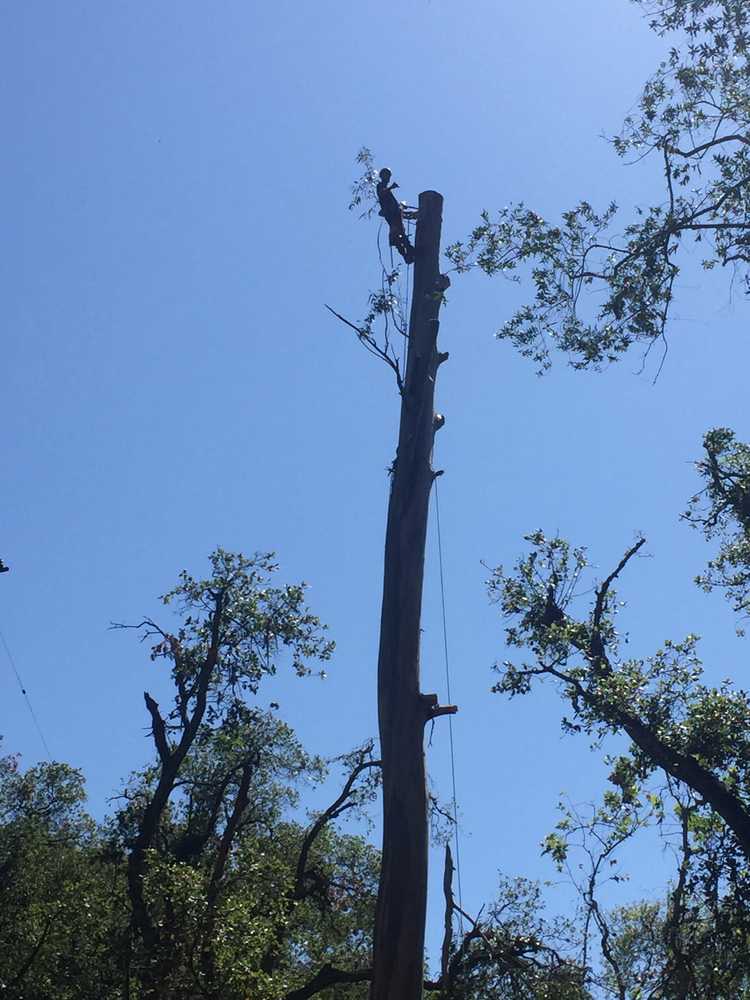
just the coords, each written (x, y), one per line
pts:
(175, 182)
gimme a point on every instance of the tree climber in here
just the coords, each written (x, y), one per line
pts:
(394, 213)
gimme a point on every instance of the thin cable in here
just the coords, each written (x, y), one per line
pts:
(450, 717)
(407, 309)
(23, 692)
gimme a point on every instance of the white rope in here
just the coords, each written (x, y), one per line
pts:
(450, 702)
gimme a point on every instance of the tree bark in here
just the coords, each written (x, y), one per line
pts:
(398, 947)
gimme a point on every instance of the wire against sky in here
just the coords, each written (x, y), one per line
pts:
(25, 695)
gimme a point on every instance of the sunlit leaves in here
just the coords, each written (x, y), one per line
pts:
(239, 617)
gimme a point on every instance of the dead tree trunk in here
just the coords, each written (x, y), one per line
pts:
(403, 710)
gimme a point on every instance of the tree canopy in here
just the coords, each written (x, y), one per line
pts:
(694, 116)
(211, 876)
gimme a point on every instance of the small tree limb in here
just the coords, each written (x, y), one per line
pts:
(328, 976)
(445, 952)
(158, 728)
(369, 343)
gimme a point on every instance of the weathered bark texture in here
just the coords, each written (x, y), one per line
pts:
(403, 710)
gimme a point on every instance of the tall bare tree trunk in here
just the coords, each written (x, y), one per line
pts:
(403, 710)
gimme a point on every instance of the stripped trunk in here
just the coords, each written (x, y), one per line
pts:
(403, 710)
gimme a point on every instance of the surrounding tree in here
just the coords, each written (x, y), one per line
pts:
(234, 624)
(202, 883)
(694, 115)
(689, 741)
(60, 897)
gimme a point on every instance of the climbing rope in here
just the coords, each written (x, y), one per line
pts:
(407, 304)
(450, 702)
(25, 695)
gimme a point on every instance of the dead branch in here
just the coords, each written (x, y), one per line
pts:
(158, 728)
(448, 920)
(369, 343)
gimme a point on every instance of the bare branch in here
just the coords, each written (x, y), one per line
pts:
(335, 809)
(240, 805)
(602, 592)
(448, 919)
(357, 329)
(369, 343)
(328, 976)
(158, 728)
(476, 927)
(707, 145)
